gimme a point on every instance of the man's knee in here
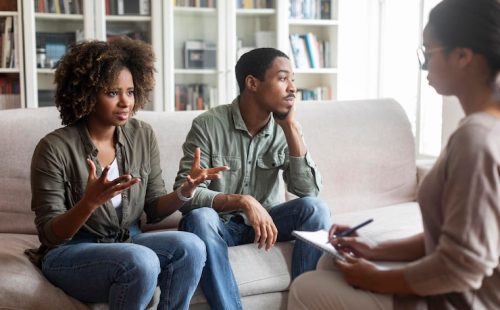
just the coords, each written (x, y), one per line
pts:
(316, 206)
(316, 211)
(203, 222)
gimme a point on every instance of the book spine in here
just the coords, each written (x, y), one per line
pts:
(6, 43)
(66, 7)
(144, 7)
(57, 5)
(120, 7)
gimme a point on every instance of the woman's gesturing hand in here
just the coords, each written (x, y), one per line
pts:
(198, 175)
(100, 189)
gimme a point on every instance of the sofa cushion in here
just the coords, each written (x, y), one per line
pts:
(27, 288)
(395, 221)
(270, 301)
(258, 271)
(23, 285)
(365, 152)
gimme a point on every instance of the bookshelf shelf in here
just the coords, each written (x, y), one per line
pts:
(194, 10)
(54, 16)
(127, 18)
(313, 22)
(9, 70)
(45, 71)
(255, 12)
(8, 13)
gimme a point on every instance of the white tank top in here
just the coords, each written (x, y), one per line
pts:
(114, 173)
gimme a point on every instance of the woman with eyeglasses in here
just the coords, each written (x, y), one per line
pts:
(454, 263)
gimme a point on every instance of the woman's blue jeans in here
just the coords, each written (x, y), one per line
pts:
(126, 274)
(217, 281)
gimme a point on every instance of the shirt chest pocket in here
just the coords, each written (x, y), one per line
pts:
(231, 179)
(138, 190)
(268, 166)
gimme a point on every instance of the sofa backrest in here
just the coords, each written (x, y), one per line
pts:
(364, 149)
(20, 131)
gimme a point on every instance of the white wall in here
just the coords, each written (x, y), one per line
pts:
(358, 49)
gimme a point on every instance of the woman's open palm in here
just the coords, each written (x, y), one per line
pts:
(100, 189)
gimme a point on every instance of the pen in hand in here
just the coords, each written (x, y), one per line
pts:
(350, 231)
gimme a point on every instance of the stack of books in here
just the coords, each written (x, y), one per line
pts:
(309, 52)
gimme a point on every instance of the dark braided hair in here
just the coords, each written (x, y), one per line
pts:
(91, 66)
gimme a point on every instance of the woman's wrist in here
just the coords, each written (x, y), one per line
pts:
(184, 193)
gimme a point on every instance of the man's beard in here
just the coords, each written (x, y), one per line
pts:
(280, 115)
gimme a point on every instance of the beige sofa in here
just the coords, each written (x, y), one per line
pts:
(364, 149)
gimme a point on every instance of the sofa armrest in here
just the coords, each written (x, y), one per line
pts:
(424, 165)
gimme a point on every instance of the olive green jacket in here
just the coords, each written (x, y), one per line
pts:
(59, 174)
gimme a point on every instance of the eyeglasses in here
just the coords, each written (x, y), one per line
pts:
(424, 55)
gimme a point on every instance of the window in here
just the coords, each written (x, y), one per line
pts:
(382, 62)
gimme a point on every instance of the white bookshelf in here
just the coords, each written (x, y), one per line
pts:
(243, 28)
(226, 26)
(40, 80)
(93, 23)
(326, 30)
(204, 24)
(146, 25)
(12, 75)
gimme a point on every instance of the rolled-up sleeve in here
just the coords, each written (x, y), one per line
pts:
(48, 187)
(469, 244)
(156, 185)
(197, 137)
(302, 176)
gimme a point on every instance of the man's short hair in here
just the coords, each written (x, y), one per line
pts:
(255, 63)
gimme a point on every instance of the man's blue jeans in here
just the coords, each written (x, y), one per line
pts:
(217, 280)
(126, 274)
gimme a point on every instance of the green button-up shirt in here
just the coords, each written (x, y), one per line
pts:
(59, 174)
(254, 162)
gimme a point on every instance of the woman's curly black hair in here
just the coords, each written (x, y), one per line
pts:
(91, 66)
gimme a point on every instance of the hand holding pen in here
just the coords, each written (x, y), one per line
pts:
(345, 239)
(345, 232)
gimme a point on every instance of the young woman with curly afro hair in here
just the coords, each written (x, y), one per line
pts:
(93, 178)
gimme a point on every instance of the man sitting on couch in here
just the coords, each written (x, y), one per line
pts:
(255, 136)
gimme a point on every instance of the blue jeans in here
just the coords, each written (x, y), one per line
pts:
(217, 280)
(126, 274)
